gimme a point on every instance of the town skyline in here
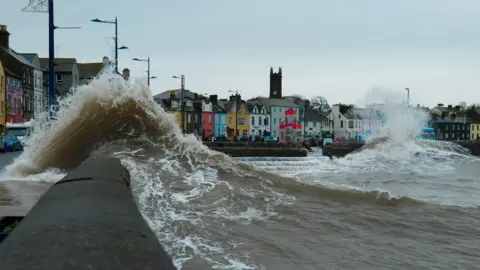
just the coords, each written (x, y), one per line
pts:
(429, 47)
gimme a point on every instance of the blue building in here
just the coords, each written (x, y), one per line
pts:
(220, 116)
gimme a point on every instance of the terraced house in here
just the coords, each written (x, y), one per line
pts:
(40, 96)
(3, 83)
(238, 116)
(259, 119)
(66, 74)
(19, 75)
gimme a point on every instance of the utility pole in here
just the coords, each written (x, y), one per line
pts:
(148, 70)
(408, 96)
(182, 100)
(39, 6)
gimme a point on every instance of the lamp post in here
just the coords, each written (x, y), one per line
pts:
(39, 7)
(235, 102)
(148, 70)
(115, 22)
(408, 96)
(182, 101)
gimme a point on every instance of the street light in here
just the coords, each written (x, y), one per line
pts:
(96, 20)
(182, 101)
(39, 6)
(236, 112)
(408, 96)
(148, 70)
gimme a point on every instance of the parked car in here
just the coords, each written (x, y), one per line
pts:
(242, 138)
(270, 139)
(11, 143)
(222, 138)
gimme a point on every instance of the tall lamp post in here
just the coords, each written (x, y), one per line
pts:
(235, 102)
(148, 70)
(182, 99)
(38, 6)
(115, 22)
(408, 96)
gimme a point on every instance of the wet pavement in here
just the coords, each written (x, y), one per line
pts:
(18, 197)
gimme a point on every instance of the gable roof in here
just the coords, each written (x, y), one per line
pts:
(61, 64)
(313, 115)
(276, 102)
(29, 56)
(17, 56)
(89, 70)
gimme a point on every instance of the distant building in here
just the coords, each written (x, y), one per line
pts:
(208, 118)
(220, 117)
(315, 123)
(259, 118)
(89, 71)
(20, 81)
(3, 89)
(66, 74)
(450, 123)
(40, 95)
(347, 123)
(474, 114)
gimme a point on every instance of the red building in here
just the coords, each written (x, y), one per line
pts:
(208, 121)
(290, 127)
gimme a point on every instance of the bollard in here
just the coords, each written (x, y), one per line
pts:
(88, 220)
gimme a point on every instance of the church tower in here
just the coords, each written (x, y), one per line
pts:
(275, 83)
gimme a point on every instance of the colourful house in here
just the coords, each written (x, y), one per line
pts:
(3, 90)
(238, 116)
(290, 127)
(208, 126)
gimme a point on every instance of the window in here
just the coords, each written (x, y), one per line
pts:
(189, 118)
(259, 120)
(350, 124)
(245, 132)
(339, 116)
(446, 127)
(209, 118)
(2, 82)
(274, 121)
(341, 123)
(223, 119)
(241, 121)
(217, 121)
(59, 78)
(265, 121)
(230, 120)
(253, 121)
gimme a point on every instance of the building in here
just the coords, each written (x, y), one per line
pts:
(238, 116)
(315, 123)
(259, 119)
(450, 123)
(89, 71)
(40, 100)
(66, 74)
(347, 123)
(20, 80)
(208, 126)
(474, 114)
(290, 127)
(372, 118)
(3, 89)
(220, 117)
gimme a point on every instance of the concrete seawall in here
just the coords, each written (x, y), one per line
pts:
(343, 149)
(88, 220)
(257, 149)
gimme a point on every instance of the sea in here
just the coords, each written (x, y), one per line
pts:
(397, 204)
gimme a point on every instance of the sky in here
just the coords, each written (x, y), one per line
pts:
(336, 49)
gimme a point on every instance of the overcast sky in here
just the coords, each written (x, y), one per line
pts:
(338, 49)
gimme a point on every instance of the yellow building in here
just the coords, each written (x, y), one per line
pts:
(475, 131)
(3, 91)
(242, 117)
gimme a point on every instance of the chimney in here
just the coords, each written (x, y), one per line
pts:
(440, 104)
(4, 36)
(106, 61)
(214, 99)
(450, 106)
(126, 74)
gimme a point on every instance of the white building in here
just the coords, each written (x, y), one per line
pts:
(314, 123)
(259, 119)
(39, 101)
(347, 124)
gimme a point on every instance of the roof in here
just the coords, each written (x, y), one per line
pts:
(176, 92)
(276, 102)
(61, 64)
(29, 56)
(89, 70)
(313, 115)
(17, 56)
(253, 103)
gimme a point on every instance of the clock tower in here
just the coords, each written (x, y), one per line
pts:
(275, 83)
